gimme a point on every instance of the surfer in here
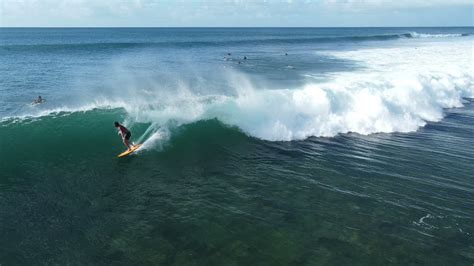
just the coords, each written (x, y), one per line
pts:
(39, 100)
(125, 133)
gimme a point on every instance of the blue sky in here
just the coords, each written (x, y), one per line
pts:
(235, 13)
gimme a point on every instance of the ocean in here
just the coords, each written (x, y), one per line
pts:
(261, 146)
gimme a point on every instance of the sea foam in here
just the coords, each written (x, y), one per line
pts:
(434, 35)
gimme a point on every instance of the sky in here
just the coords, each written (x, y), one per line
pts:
(235, 13)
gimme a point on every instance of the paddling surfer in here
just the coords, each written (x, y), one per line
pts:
(125, 133)
(39, 100)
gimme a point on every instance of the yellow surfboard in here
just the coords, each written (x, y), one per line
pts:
(127, 152)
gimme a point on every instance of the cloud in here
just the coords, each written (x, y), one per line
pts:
(68, 7)
(205, 12)
(390, 4)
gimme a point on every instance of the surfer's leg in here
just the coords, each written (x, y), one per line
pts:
(126, 143)
(126, 140)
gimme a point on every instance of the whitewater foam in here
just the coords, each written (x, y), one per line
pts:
(426, 35)
(368, 105)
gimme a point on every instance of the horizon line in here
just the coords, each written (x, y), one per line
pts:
(241, 27)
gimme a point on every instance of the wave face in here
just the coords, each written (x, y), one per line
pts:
(61, 185)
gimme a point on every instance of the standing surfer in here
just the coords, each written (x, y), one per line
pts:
(125, 133)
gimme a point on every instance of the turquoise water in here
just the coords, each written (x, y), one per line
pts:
(350, 149)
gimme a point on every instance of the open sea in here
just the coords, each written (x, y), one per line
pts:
(261, 146)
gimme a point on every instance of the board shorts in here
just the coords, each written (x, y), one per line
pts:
(128, 135)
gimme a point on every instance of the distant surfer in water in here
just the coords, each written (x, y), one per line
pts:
(125, 133)
(39, 100)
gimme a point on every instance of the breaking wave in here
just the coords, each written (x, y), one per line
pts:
(400, 90)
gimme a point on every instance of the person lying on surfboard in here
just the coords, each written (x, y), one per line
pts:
(125, 133)
(39, 100)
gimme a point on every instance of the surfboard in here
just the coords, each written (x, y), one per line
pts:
(35, 102)
(127, 152)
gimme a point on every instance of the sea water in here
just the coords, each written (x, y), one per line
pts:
(269, 146)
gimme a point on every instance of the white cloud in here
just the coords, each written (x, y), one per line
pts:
(68, 6)
(388, 4)
(200, 12)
